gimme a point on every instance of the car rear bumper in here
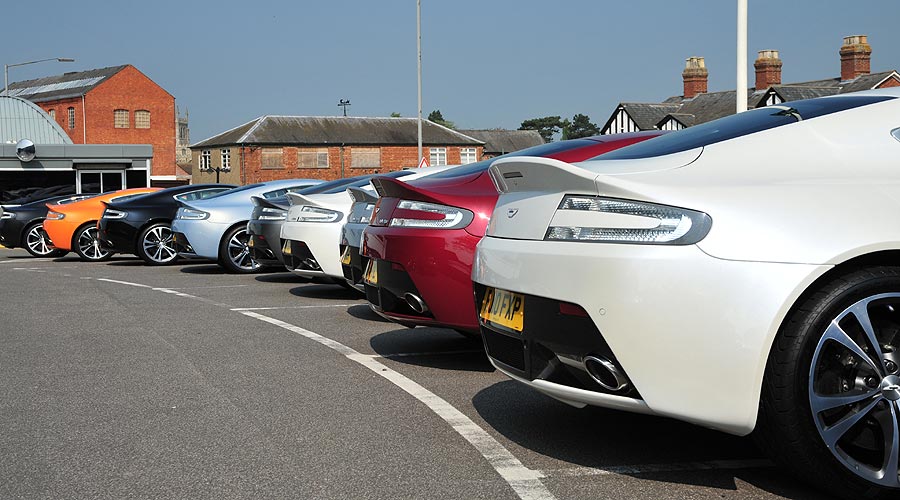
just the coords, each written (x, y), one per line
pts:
(117, 235)
(691, 332)
(434, 264)
(265, 244)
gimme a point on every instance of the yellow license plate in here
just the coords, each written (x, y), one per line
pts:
(286, 248)
(503, 308)
(371, 276)
(345, 258)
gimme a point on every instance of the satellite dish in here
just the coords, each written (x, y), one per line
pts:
(25, 150)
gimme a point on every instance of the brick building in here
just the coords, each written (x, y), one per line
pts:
(284, 147)
(696, 105)
(115, 105)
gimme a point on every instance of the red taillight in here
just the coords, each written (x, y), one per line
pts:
(572, 310)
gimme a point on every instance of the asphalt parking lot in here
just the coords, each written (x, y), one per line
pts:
(119, 380)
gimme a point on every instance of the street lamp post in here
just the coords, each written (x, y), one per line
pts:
(7, 66)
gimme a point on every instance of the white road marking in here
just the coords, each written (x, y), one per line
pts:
(524, 481)
(241, 309)
(124, 283)
(45, 259)
(630, 470)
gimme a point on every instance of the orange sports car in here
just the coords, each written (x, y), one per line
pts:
(73, 227)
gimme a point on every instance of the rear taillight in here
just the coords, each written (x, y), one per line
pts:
(51, 215)
(425, 215)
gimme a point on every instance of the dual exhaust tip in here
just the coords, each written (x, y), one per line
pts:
(605, 373)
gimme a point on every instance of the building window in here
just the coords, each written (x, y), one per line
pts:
(271, 158)
(205, 156)
(52, 114)
(467, 155)
(71, 118)
(365, 158)
(226, 159)
(120, 118)
(142, 118)
(312, 158)
(438, 156)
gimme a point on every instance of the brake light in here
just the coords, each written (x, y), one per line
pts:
(424, 215)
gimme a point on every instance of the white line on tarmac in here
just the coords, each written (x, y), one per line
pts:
(29, 261)
(629, 470)
(241, 309)
(524, 481)
(124, 283)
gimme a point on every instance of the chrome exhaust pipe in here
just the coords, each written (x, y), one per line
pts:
(605, 373)
(415, 302)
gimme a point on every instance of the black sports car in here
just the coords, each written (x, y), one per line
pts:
(142, 225)
(20, 225)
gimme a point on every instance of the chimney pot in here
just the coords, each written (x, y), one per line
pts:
(855, 57)
(768, 69)
(695, 76)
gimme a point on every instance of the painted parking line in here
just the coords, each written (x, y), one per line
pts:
(524, 481)
(204, 287)
(48, 259)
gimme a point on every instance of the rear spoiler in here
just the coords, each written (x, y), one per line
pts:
(394, 188)
(359, 195)
(532, 173)
(259, 201)
(297, 199)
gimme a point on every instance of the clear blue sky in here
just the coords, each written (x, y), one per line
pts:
(487, 63)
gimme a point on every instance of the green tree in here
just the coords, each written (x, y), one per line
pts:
(581, 126)
(546, 126)
(395, 115)
(436, 117)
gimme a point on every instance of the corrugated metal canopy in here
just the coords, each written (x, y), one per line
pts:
(502, 141)
(22, 119)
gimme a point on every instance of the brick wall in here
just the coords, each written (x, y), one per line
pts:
(392, 158)
(131, 90)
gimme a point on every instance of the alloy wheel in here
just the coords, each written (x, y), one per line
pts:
(38, 242)
(239, 251)
(854, 388)
(158, 245)
(89, 245)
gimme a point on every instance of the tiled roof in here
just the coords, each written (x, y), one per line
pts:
(647, 115)
(337, 130)
(500, 141)
(67, 85)
(712, 105)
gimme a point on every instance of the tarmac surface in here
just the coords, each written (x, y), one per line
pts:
(119, 380)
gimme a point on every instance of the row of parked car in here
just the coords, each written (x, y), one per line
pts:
(742, 274)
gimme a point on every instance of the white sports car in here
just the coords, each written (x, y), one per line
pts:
(311, 235)
(742, 275)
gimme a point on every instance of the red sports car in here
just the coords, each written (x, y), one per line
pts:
(421, 239)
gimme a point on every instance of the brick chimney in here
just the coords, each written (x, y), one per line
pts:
(768, 69)
(855, 54)
(695, 77)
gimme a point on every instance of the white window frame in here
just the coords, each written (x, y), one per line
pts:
(205, 159)
(71, 117)
(138, 112)
(226, 159)
(119, 112)
(437, 156)
(468, 155)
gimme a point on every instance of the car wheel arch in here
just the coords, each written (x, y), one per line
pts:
(78, 229)
(145, 225)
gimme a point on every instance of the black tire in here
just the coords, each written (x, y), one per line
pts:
(37, 243)
(818, 357)
(234, 254)
(155, 245)
(86, 244)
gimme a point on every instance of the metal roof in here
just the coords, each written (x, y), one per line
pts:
(502, 141)
(67, 85)
(337, 130)
(22, 119)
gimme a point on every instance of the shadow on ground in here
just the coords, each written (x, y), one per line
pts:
(440, 348)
